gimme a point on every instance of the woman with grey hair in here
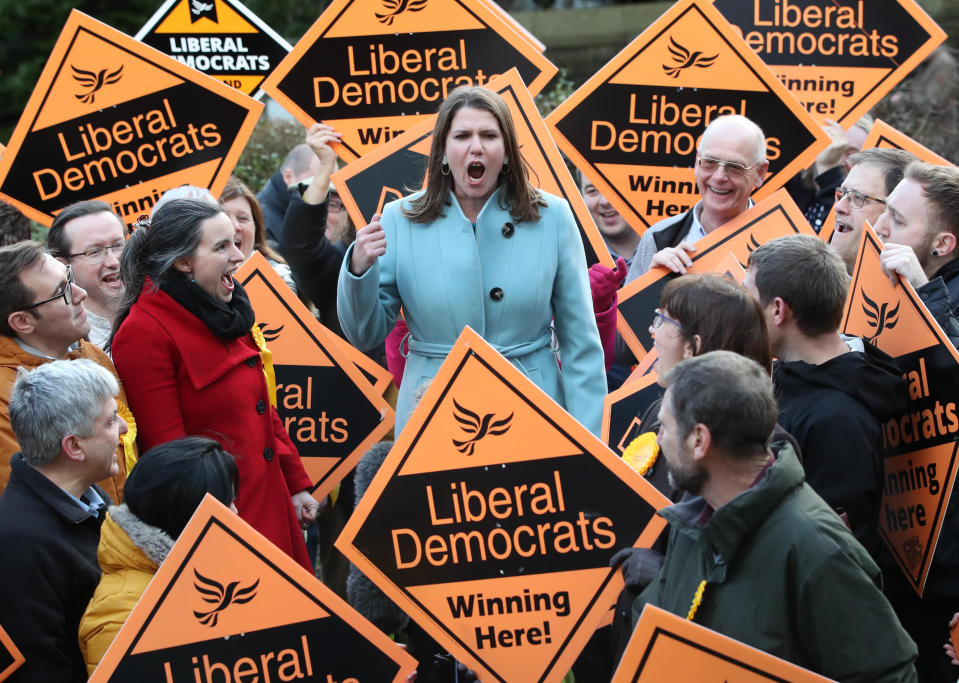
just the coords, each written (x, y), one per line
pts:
(184, 348)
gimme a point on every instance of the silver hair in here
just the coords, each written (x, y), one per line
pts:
(184, 192)
(745, 123)
(55, 400)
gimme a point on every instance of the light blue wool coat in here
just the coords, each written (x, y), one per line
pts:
(442, 274)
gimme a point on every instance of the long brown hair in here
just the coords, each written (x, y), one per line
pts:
(237, 188)
(518, 196)
(721, 313)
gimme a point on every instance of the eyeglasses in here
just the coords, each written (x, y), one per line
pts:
(99, 254)
(857, 198)
(732, 168)
(334, 205)
(66, 293)
(659, 318)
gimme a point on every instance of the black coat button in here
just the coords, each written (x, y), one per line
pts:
(261, 406)
(251, 361)
(496, 294)
(508, 230)
(268, 454)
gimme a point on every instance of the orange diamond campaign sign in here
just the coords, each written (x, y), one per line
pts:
(374, 68)
(115, 120)
(329, 408)
(228, 605)
(920, 446)
(10, 657)
(221, 38)
(838, 57)
(493, 519)
(773, 217)
(634, 126)
(665, 647)
(401, 163)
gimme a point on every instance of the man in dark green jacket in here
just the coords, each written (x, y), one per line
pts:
(777, 568)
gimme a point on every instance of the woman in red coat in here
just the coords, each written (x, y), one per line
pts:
(182, 346)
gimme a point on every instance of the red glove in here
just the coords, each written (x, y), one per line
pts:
(395, 360)
(603, 283)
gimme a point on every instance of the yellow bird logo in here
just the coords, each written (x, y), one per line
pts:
(684, 59)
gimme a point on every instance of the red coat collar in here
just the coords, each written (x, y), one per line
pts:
(206, 357)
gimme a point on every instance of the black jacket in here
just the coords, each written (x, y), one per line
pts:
(834, 411)
(941, 297)
(48, 574)
(314, 260)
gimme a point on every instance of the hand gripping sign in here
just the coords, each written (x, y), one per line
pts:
(838, 57)
(665, 647)
(228, 605)
(374, 68)
(773, 217)
(633, 128)
(392, 170)
(884, 136)
(326, 402)
(221, 38)
(113, 119)
(493, 519)
(919, 447)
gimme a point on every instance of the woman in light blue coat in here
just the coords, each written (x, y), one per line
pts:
(479, 247)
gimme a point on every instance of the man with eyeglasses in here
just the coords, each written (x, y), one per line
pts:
(42, 319)
(730, 165)
(90, 237)
(862, 196)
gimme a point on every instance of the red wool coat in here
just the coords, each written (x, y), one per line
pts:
(182, 380)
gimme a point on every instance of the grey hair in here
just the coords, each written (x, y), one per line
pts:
(746, 124)
(184, 192)
(55, 400)
(298, 159)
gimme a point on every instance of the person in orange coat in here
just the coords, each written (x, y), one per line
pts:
(183, 346)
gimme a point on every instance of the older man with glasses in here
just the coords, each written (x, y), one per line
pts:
(730, 165)
(90, 237)
(43, 318)
(862, 196)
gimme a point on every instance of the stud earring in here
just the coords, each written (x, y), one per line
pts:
(935, 252)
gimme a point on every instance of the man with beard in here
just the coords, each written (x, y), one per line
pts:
(919, 230)
(89, 237)
(754, 553)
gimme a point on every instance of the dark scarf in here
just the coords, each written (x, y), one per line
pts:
(231, 320)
